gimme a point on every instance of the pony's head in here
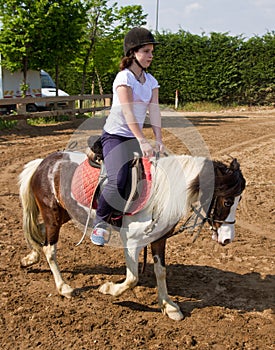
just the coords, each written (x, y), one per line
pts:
(229, 185)
(220, 198)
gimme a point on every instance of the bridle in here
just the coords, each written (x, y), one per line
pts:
(199, 220)
(211, 214)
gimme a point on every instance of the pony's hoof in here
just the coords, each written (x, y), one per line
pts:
(111, 288)
(175, 315)
(66, 291)
(30, 259)
(106, 288)
(173, 312)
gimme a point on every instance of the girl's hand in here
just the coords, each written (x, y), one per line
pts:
(146, 148)
(160, 147)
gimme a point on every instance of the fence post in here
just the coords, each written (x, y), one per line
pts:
(21, 108)
(177, 99)
(107, 102)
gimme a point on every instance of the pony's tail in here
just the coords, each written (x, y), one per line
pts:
(32, 229)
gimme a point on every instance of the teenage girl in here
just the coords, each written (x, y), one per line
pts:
(134, 93)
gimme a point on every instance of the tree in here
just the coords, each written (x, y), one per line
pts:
(102, 43)
(66, 23)
(40, 33)
(17, 40)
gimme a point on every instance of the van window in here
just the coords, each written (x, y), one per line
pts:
(46, 81)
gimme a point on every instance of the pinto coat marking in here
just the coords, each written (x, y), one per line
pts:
(177, 182)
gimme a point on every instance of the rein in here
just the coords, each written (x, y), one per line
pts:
(195, 215)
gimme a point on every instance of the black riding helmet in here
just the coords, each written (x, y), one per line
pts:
(137, 37)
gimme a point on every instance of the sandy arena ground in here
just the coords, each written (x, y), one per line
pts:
(227, 294)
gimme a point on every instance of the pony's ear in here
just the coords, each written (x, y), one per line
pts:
(234, 165)
(219, 172)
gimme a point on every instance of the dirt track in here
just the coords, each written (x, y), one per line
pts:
(227, 294)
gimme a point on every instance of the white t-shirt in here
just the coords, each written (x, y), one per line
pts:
(142, 94)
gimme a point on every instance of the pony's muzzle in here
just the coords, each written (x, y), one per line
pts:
(224, 234)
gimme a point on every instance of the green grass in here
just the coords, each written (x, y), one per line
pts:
(48, 120)
(7, 124)
(202, 107)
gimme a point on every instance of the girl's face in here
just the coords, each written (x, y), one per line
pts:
(145, 55)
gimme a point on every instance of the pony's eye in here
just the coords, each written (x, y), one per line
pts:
(228, 203)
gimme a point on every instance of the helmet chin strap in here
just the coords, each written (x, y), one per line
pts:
(137, 62)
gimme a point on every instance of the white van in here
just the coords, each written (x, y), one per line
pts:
(48, 89)
(40, 85)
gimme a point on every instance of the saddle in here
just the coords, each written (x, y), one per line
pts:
(90, 178)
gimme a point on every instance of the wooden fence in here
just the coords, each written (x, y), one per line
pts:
(71, 105)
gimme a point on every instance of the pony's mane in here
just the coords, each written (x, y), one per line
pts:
(229, 180)
(172, 177)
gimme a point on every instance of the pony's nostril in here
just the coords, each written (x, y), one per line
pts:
(226, 241)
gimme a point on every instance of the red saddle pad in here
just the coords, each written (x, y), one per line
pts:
(85, 181)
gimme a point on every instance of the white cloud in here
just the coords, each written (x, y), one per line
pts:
(191, 8)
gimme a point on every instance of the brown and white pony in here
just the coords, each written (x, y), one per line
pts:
(178, 182)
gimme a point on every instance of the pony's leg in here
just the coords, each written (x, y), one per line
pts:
(116, 289)
(63, 288)
(167, 306)
(34, 256)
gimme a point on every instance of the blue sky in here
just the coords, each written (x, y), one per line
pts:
(237, 17)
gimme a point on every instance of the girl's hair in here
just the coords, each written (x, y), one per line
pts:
(126, 61)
